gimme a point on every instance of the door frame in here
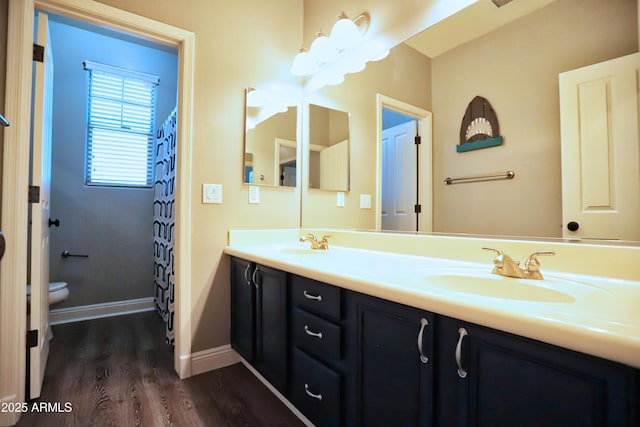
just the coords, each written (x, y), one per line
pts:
(425, 180)
(16, 168)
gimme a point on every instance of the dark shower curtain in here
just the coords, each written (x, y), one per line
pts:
(164, 221)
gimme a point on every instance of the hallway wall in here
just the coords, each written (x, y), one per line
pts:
(113, 225)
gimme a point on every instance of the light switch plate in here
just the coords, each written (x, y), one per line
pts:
(254, 194)
(365, 201)
(340, 199)
(212, 193)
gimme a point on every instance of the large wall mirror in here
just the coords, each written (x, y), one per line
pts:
(271, 139)
(515, 66)
(328, 148)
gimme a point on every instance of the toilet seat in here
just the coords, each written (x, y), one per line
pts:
(58, 292)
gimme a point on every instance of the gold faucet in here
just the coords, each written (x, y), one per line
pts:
(504, 265)
(322, 244)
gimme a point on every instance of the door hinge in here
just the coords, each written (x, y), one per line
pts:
(38, 53)
(417, 209)
(34, 194)
(418, 140)
(32, 338)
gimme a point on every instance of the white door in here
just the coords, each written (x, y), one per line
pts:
(399, 177)
(334, 167)
(601, 150)
(41, 177)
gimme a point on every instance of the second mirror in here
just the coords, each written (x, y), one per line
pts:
(328, 148)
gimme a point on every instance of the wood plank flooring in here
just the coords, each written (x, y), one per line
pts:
(118, 372)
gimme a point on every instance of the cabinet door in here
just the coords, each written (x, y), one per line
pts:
(513, 381)
(393, 366)
(243, 296)
(271, 333)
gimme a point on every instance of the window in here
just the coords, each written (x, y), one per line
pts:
(120, 126)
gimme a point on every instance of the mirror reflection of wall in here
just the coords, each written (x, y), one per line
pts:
(270, 139)
(328, 148)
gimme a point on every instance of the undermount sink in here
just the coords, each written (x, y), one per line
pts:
(494, 286)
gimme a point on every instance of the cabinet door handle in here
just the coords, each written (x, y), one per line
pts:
(246, 274)
(254, 277)
(311, 333)
(463, 333)
(307, 295)
(310, 394)
(423, 324)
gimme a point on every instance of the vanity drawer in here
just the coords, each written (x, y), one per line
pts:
(317, 336)
(317, 297)
(316, 390)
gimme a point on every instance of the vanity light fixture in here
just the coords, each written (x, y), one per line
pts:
(500, 3)
(345, 35)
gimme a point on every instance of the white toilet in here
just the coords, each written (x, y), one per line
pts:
(58, 292)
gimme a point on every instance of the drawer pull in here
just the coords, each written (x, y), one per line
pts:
(461, 372)
(310, 394)
(307, 295)
(311, 333)
(423, 324)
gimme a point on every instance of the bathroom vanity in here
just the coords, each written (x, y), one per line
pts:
(369, 337)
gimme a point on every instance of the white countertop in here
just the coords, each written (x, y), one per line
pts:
(596, 315)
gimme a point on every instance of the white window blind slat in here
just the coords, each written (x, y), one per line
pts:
(121, 125)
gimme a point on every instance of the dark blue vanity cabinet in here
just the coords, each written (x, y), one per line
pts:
(490, 378)
(348, 359)
(259, 319)
(318, 343)
(392, 363)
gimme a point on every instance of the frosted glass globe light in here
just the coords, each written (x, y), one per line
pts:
(303, 64)
(345, 34)
(322, 50)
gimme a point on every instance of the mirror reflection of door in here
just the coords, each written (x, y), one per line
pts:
(399, 172)
(285, 162)
(328, 148)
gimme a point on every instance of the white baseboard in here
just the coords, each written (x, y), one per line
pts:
(95, 311)
(213, 358)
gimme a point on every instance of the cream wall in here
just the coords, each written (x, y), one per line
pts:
(516, 69)
(238, 44)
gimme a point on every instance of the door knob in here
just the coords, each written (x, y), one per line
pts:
(2, 245)
(573, 226)
(56, 222)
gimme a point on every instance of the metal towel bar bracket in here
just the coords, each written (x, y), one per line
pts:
(67, 254)
(506, 175)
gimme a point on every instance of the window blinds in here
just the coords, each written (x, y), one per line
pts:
(120, 126)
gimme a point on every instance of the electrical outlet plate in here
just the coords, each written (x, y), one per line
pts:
(365, 201)
(340, 199)
(254, 194)
(212, 193)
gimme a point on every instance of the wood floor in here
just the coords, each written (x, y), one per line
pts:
(119, 372)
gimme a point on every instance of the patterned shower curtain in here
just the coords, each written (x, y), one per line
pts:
(164, 222)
